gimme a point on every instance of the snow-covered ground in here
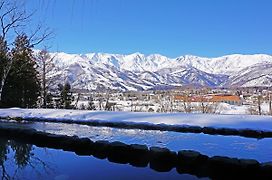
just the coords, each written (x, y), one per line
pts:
(211, 120)
(145, 106)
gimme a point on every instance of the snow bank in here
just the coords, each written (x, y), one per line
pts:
(219, 121)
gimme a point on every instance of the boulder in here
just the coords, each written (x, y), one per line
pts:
(227, 131)
(192, 162)
(100, 149)
(249, 164)
(266, 170)
(138, 155)
(250, 168)
(162, 159)
(69, 143)
(209, 130)
(250, 133)
(84, 146)
(119, 152)
(220, 166)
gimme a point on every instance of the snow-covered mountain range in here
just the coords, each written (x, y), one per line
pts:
(97, 71)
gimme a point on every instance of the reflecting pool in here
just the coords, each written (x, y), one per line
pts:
(211, 145)
(25, 161)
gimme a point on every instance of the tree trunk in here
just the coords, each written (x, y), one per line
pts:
(259, 105)
(270, 105)
(44, 85)
(3, 80)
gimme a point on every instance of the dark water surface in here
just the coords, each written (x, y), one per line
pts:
(211, 145)
(25, 161)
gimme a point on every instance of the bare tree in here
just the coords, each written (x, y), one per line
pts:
(203, 104)
(252, 110)
(255, 107)
(259, 102)
(187, 103)
(270, 103)
(45, 66)
(77, 100)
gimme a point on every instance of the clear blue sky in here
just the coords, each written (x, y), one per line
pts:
(169, 27)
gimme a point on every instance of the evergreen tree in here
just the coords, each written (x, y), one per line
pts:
(91, 105)
(66, 96)
(22, 85)
(49, 100)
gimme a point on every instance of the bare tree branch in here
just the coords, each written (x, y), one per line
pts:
(36, 39)
(12, 17)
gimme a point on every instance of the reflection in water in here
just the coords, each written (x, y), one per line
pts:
(25, 161)
(22, 153)
(3, 157)
(19, 157)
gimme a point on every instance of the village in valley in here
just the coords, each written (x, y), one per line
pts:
(254, 101)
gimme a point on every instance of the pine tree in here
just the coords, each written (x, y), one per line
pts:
(49, 100)
(22, 85)
(66, 96)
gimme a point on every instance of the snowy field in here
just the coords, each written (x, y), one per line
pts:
(212, 120)
(222, 108)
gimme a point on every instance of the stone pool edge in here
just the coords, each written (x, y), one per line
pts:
(159, 159)
(249, 133)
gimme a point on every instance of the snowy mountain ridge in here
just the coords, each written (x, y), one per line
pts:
(141, 72)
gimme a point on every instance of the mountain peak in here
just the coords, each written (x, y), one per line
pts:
(138, 71)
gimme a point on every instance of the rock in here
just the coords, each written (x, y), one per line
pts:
(28, 135)
(119, 152)
(224, 161)
(195, 129)
(100, 149)
(162, 159)
(17, 118)
(266, 170)
(249, 164)
(190, 156)
(250, 168)
(40, 139)
(138, 155)
(219, 165)
(84, 146)
(192, 162)
(250, 133)
(192, 129)
(267, 134)
(227, 131)
(69, 144)
(209, 130)
(52, 140)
